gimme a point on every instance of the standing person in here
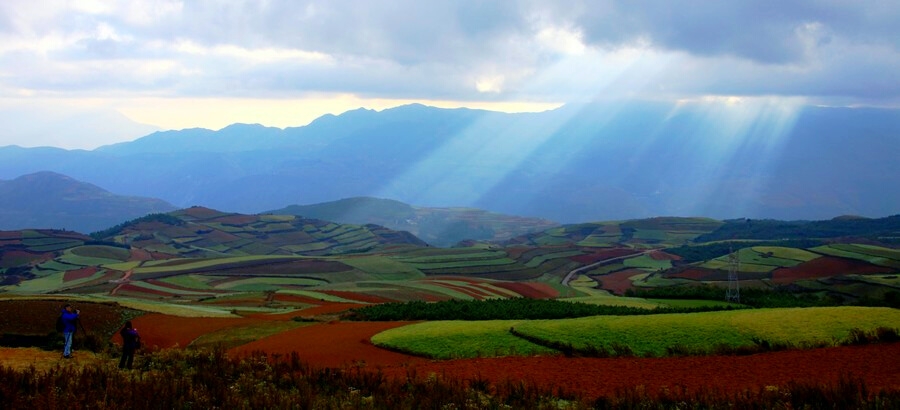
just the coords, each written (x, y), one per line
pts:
(130, 342)
(69, 318)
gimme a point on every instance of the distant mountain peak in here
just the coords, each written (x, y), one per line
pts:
(48, 199)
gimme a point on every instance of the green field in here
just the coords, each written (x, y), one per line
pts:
(650, 335)
(875, 255)
(703, 332)
(459, 339)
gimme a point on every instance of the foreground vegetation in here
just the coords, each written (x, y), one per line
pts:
(210, 379)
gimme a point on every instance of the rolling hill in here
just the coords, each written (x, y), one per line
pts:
(203, 232)
(50, 200)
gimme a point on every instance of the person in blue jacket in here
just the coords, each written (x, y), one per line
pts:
(70, 322)
(130, 342)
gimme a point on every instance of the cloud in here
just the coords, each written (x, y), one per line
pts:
(489, 51)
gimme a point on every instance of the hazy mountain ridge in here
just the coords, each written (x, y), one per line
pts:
(437, 226)
(50, 200)
(574, 164)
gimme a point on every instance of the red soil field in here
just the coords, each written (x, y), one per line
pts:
(16, 257)
(10, 234)
(877, 365)
(329, 308)
(165, 331)
(530, 290)
(82, 273)
(824, 267)
(692, 274)
(662, 256)
(618, 282)
(342, 344)
(336, 344)
(221, 236)
(201, 212)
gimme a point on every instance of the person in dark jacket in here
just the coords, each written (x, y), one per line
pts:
(69, 317)
(130, 343)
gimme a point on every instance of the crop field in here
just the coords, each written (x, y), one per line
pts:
(704, 332)
(458, 339)
(651, 335)
(872, 254)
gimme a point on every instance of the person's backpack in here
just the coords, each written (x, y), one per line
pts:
(60, 325)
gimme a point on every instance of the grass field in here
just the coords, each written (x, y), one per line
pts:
(651, 335)
(459, 339)
(703, 332)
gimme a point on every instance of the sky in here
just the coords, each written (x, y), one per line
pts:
(84, 73)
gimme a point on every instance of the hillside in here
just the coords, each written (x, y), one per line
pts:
(198, 253)
(50, 200)
(437, 226)
(878, 229)
(199, 232)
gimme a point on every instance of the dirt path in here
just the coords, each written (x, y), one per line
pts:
(122, 281)
(585, 268)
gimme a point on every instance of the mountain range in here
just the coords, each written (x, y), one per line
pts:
(577, 163)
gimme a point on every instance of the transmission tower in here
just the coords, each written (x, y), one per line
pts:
(733, 293)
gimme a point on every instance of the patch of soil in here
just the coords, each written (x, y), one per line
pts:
(82, 273)
(337, 344)
(10, 234)
(693, 273)
(877, 365)
(11, 258)
(823, 267)
(328, 308)
(531, 290)
(164, 331)
(618, 282)
(662, 256)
